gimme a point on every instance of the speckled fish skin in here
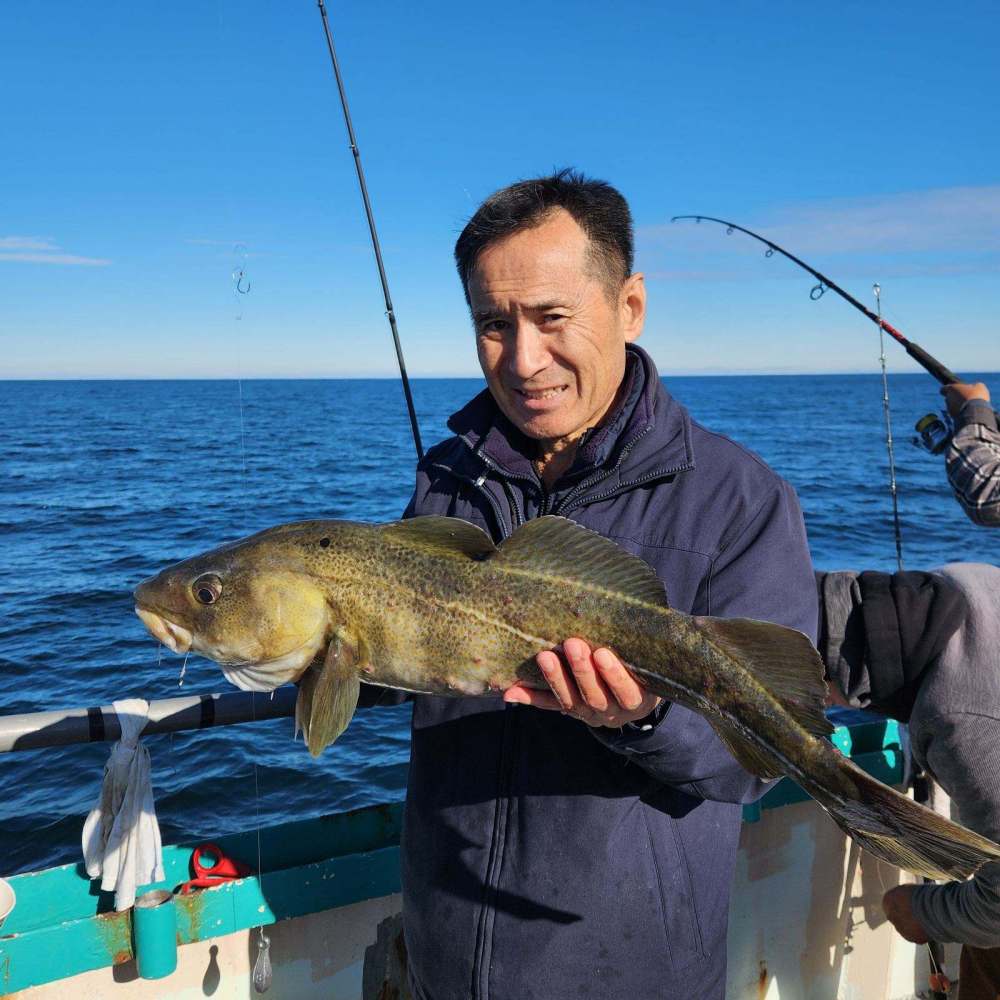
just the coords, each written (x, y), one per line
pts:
(431, 605)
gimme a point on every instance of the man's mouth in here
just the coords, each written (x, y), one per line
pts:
(539, 395)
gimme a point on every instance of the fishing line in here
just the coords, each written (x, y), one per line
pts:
(262, 972)
(893, 492)
(241, 286)
(389, 311)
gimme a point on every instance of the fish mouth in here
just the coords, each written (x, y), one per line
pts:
(175, 637)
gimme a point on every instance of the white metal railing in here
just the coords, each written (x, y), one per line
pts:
(35, 730)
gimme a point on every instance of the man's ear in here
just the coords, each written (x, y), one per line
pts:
(632, 307)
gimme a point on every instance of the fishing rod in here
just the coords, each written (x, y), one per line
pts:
(939, 983)
(931, 364)
(389, 311)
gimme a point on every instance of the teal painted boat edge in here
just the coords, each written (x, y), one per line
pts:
(46, 954)
(63, 924)
(66, 893)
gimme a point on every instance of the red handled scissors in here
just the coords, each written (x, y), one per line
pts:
(212, 867)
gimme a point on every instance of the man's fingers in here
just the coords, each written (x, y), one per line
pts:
(588, 683)
(520, 695)
(558, 678)
(623, 686)
(592, 685)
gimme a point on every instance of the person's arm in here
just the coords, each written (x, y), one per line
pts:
(964, 756)
(973, 457)
(765, 573)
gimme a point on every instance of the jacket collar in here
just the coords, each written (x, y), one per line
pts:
(647, 436)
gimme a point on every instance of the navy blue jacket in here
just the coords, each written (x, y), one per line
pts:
(545, 859)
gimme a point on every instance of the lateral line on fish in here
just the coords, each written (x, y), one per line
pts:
(701, 699)
(747, 733)
(481, 616)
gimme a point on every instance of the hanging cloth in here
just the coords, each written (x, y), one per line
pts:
(121, 838)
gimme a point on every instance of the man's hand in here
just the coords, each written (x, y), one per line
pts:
(592, 684)
(834, 695)
(957, 394)
(898, 906)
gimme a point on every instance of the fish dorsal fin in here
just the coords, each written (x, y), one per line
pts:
(782, 660)
(448, 536)
(560, 551)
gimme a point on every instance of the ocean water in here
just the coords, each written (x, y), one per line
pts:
(104, 483)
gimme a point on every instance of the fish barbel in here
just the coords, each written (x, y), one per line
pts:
(432, 605)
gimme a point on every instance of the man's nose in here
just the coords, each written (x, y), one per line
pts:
(528, 353)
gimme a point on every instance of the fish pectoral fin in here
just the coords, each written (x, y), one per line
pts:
(441, 536)
(557, 549)
(328, 692)
(782, 660)
(748, 755)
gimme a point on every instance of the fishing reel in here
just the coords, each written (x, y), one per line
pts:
(934, 433)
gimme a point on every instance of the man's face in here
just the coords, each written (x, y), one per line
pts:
(551, 339)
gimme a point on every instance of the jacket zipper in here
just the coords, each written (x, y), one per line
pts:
(600, 477)
(626, 486)
(501, 814)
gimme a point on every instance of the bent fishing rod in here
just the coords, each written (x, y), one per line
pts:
(931, 364)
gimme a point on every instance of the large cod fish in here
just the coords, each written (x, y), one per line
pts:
(432, 605)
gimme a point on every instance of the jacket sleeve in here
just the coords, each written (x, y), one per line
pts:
(764, 573)
(964, 755)
(973, 463)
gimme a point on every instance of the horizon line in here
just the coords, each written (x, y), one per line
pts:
(680, 373)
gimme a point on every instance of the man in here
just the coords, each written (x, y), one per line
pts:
(973, 456)
(582, 842)
(923, 648)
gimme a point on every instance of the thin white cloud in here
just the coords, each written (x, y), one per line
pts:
(940, 220)
(54, 258)
(42, 250)
(943, 269)
(27, 243)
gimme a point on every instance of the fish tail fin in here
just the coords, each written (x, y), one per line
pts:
(904, 833)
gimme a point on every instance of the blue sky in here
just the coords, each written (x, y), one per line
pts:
(148, 150)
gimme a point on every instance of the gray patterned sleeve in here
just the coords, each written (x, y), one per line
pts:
(964, 755)
(973, 463)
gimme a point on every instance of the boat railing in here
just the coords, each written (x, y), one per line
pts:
(37, 730)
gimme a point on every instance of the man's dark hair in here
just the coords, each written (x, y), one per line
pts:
(599, 210)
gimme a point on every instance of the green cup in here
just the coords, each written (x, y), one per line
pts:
(154, 929)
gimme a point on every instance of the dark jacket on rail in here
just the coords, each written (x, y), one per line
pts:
(544, 859)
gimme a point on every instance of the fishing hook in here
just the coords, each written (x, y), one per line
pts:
(239, 276)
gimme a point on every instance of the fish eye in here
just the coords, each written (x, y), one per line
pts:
(207, 589)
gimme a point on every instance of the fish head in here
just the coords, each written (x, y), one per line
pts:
(250, 606)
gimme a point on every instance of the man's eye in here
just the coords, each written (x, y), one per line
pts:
(493, 326)
(553, 318)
